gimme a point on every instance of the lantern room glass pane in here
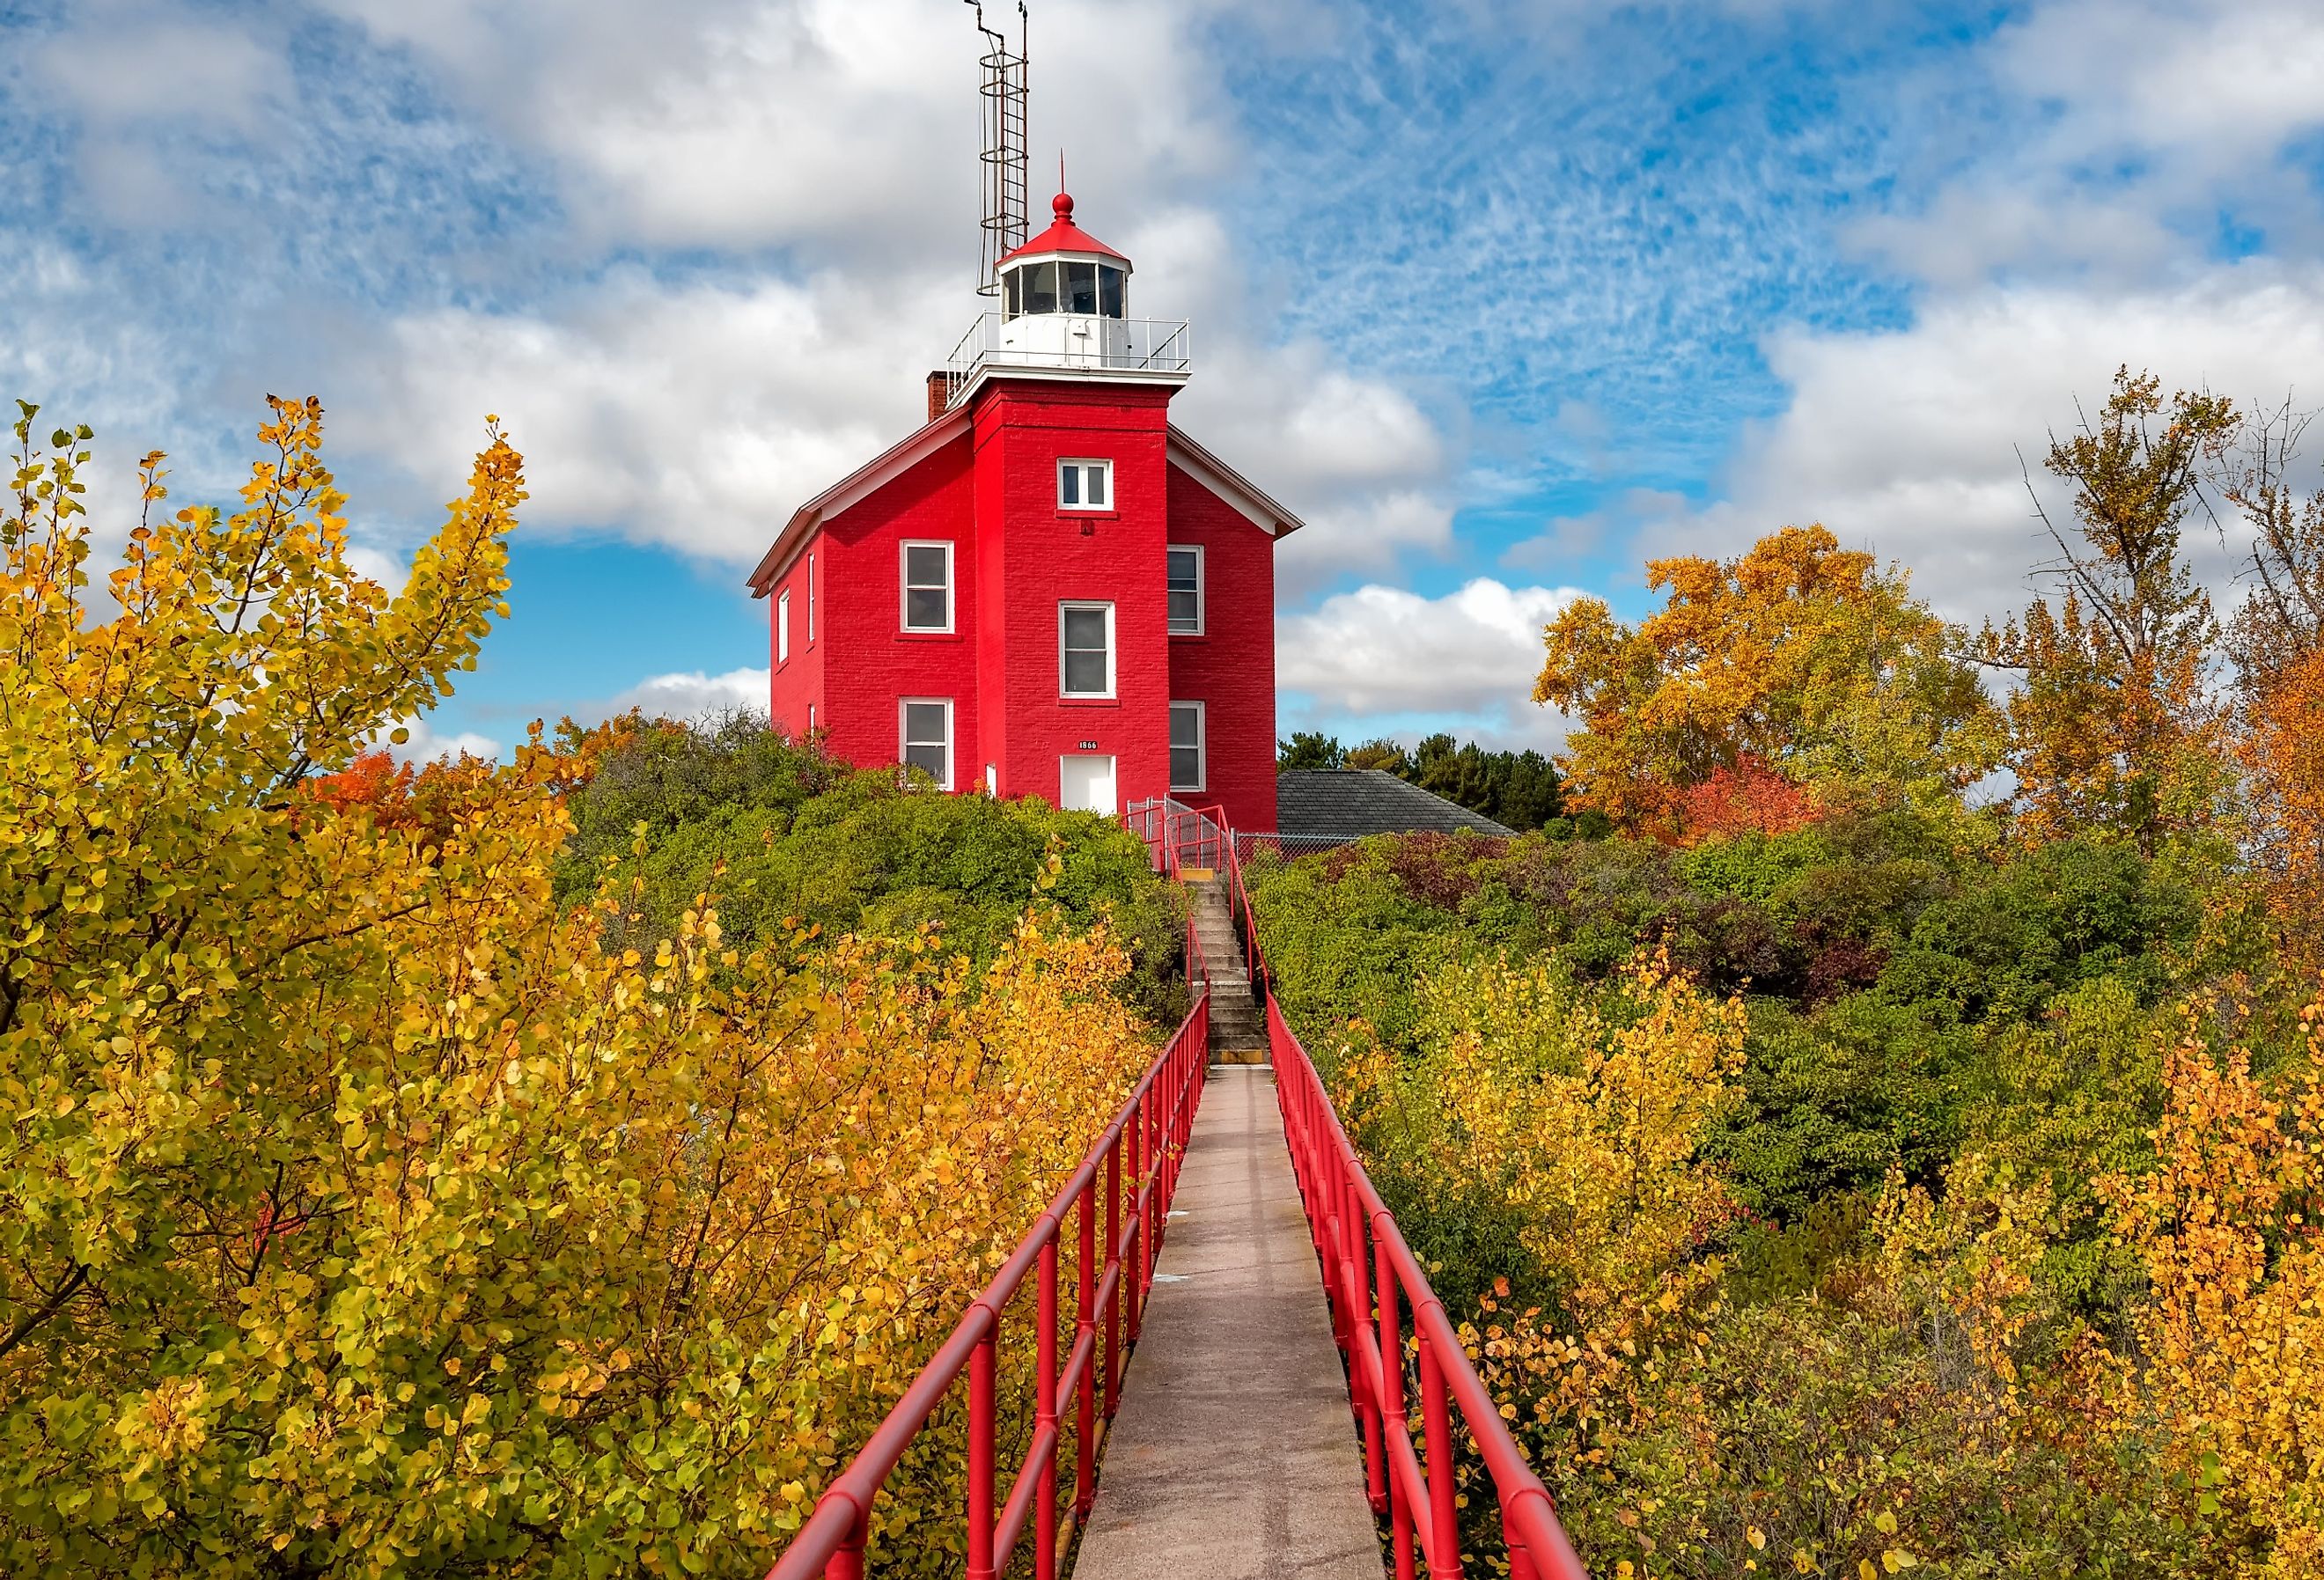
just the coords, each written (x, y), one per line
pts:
(1109, 290)
(1040, 287)
(1008, 295)
(1080, 288)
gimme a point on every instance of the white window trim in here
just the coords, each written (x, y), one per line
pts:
(1111, 498)
(1202, 746)
(1202, 589)
(902, 742)
(1111, 651)
(810, 600)
(782, 627)
(904, 586)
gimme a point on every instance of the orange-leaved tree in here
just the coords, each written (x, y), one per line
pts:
(2116, 722)
(362, 1211)
(2277, 641)
(1799, 656)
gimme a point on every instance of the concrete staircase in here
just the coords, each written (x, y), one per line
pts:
(1237, 1025)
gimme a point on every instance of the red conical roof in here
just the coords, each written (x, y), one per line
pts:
(1063, 236)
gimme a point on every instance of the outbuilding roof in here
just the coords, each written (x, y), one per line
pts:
(1350, 803)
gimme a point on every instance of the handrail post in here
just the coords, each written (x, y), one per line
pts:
(1133, 1286)
(847, 1562)
(1392, 1411)
(1114, 1269)
(1437, 1416)
(1359, 1272)
(1085, 1327)
(1045, 1414)
(1521, 1563)
(981, 1369)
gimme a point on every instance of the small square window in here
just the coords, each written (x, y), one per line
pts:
(1185, 582)
(1188, 746)
(926, 742)
(1085, 485)
(927, 586)
(1085, 650)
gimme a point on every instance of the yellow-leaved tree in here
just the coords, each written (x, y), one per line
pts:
(362, 1214)
(1572, 1120)
(2231, 1355)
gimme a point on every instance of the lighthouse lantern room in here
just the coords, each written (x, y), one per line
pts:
(1048, 588)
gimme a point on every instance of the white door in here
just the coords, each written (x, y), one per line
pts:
(1085, 784)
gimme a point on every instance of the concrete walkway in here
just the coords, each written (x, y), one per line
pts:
(1234, 1456)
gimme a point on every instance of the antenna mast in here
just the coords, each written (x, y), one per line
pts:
(1004, 156)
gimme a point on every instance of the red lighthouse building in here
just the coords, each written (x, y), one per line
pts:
(1048, 590)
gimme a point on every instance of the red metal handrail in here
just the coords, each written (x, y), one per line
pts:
(1145, 1146)
(1369, 1274)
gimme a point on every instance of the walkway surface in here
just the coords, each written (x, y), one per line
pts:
(1234, 1454)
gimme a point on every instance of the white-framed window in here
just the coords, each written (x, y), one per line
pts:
(923, 728)
(1190, 764)
(1085, 485)
(810, 600)
(810, 718)
(783, 626)
(926, 571)
(1185, 578)
(1084, 650)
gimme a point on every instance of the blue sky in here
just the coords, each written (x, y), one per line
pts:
(1503, 296)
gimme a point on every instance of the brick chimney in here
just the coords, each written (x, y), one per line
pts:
(939, 393)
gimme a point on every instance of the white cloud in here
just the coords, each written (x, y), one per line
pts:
(1381, 651)
(2132, 127)
(829, 148)
(1908, 442)
(698, 417)
(694, 695)
(426, 744)
(845, 127)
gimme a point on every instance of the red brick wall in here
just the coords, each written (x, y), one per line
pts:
(1230, 667)
(1043, 556)
(874, 662)
(1016, 556)
(798, 685)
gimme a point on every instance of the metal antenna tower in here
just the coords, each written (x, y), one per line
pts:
(1004, 156)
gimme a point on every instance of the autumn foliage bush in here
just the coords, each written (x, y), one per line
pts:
(365, 1211)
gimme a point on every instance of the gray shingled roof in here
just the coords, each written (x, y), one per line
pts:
(1348, 803)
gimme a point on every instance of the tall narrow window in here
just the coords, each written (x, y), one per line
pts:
(1085, 650)
(810, 600)
(783, 626)
(926, 730)
(1109, 290)
(1188, 746)
(1186, 577)
(927, 586)
(1085, 485)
